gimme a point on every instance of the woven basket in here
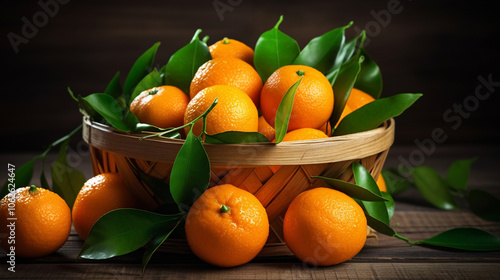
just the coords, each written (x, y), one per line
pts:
(247, 166)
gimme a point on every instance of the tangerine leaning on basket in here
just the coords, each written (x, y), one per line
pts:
(231, 48)
(160, 106)
(99, 195)
(313, 102)
(43, 222)
(324, 227)
(234, 111)
(226, 226)
(227, 71)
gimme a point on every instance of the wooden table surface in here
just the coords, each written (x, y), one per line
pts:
(382, 257)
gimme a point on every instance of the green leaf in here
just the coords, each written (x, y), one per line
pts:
(122, 231)
(284, 111)
(395, 182)
(190, 173)
(114, 87)
(236, 137)
(379, 226)
(66, 180)
(433, 187)
(131, 121)
(351, 190)
(458, 174)
(184, 63)
(484, 205)
(84, 106)
(321, 52)
(345, 53)
(373, 114)
(139, 70)
(469, 239)
(155, 243)
(363, 178)
(273, 50)
(389, 204)
(153, 79)
(23, 175)
(370, 77)
(108, 108)
(342, 86)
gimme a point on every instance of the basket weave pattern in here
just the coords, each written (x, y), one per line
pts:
(275, 174)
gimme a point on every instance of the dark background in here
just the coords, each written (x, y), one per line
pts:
(436, 48)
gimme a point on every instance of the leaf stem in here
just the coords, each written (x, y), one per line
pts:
(279, 22)
(404, 239)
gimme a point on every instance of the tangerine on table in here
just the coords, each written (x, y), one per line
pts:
(358, 99)
(42, 225)
(227, 226)
(160, 106)
(324, 227)
(232, 48)
(99, 195)
(382, 186)
(313, 102)
(234, 111)
(227, 71)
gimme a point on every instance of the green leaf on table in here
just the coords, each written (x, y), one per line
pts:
(458, 174)
(342, 86)
(23, 175)
(108, 108)
(433, 187)
(151, 80)
(284, 112)
(321, 52)
(376, 209)
(469, 239)
(236, 137)
(139, 70)
(184, 63)
(351, 190)
(66, 180)
(155, 243)
(124, 230)
(389, 204)
(190, 173)
(370, 77)
(373, 114)
(379, 226)
(114, 87)
(484, 205)
(395, 182)
(273, 50)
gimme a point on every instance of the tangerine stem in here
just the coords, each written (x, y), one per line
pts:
(225, 40)
(33, 189)
(301, 73)
(224, 208)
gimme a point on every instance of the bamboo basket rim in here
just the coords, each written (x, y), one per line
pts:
(333, 149)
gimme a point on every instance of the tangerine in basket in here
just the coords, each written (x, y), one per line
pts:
(358, 99)
(163, 106)
(234, 111)
(266, 129)
(227, 71)
(304, 134)
(313, 102)
(99, 195)
(227, 226)
(42, 225)
(324, 227)
(232, 48)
